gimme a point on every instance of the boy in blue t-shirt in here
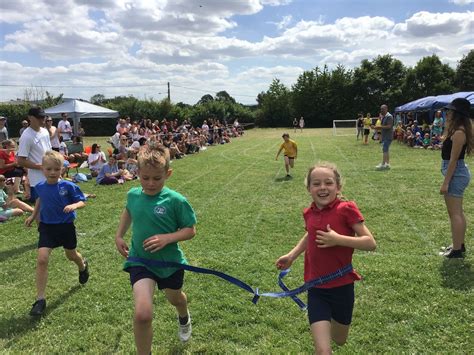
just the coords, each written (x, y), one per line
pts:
(55, 206)
(160, 218)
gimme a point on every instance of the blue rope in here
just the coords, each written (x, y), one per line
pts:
(286, 291)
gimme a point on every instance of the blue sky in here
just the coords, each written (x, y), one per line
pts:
(117, 47)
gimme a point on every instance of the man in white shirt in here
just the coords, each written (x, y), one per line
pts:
(64, 128)
(34, 143)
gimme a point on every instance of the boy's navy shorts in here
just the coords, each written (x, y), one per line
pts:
(57, 235)
(331, 303)
(173, 282)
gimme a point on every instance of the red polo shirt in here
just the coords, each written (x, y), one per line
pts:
(8, 158)
(341, 216)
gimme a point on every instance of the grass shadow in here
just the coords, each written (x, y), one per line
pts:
(7, 254)
(15, 327)
(457, 274)
(283, 178)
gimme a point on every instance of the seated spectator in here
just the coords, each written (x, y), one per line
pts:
(9, 205)
(96, 160)
(426, 141)
(76, 151)
(436, 142)
(418, 141)
(409, 137)
(9, 166)
(110, 174)
(126, 174)
(122, 148)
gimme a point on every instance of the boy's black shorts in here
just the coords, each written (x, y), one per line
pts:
(173, 282)
(57, 235)
(331, 303)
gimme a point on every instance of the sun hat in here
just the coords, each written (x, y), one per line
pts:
(460, 105)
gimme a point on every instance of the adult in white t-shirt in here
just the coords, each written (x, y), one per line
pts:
(64, 128)
(34, 143)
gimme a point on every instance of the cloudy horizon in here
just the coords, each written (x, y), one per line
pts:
(117, 47)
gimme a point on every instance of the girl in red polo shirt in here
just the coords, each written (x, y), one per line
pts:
(334, 228)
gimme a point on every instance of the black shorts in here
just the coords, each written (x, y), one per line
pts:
(55, 149)
(331, 303)
(57, 235)
(173, 282)
(366, 132)
(291, 158)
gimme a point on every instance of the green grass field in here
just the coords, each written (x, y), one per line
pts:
(409, 301)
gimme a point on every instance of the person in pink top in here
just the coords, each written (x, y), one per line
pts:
(334, 228)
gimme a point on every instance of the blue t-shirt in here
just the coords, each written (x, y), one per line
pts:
(53, 199)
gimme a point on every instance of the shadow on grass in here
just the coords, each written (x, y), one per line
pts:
(7, 254)
(283, 178)
(15, 327)
(457, 274)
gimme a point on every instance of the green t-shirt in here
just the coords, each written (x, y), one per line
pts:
(3, 198)
(165, 212)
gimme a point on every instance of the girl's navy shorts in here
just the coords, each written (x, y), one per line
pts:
(173, 282)
(331, 303)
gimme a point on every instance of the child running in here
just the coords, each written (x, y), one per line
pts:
(160, 218)
(55, 206)
(291, 152)
(334, 228)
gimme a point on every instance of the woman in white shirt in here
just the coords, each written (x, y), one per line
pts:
(96, 159)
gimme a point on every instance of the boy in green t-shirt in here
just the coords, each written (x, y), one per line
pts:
(160, 218)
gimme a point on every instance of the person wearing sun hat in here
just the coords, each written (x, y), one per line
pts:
(34, 143)
(458, 142)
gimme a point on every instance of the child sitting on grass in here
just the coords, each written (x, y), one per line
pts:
(9, 205)
(55, 210)
(160, 218)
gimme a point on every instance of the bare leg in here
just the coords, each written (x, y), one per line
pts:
(321, 332)
(42, 271)
(73, 255)
(457, 219)
(178, 299)
(142, 320)
(287, 165)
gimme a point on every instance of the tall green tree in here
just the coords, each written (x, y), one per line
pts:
(274, 108)
(429, 77)
(464, 78)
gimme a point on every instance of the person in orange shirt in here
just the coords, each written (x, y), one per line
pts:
(291, 152)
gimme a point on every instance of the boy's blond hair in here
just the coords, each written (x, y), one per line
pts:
(2, 178)
(155, 155)
(326, 165)
(53, 157)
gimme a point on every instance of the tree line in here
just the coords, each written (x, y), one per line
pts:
(319, 95)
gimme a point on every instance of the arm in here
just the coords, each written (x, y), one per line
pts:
(285, 261)
(34, 215)
(459, 139)
(24, 162)
(7, 166)
(159, 241)
(363, 241)
(73, 206)
(124, 224)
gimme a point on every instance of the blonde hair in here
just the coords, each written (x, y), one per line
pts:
(2, 178)
(326, 165)
(155, 155)
(54, 157)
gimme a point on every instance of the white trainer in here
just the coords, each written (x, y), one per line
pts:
(386, 166)
(380, 166)
(184, 331)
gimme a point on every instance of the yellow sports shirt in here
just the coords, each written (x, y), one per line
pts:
(289, 148)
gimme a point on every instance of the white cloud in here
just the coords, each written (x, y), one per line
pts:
(427, 24)
(462, 2)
